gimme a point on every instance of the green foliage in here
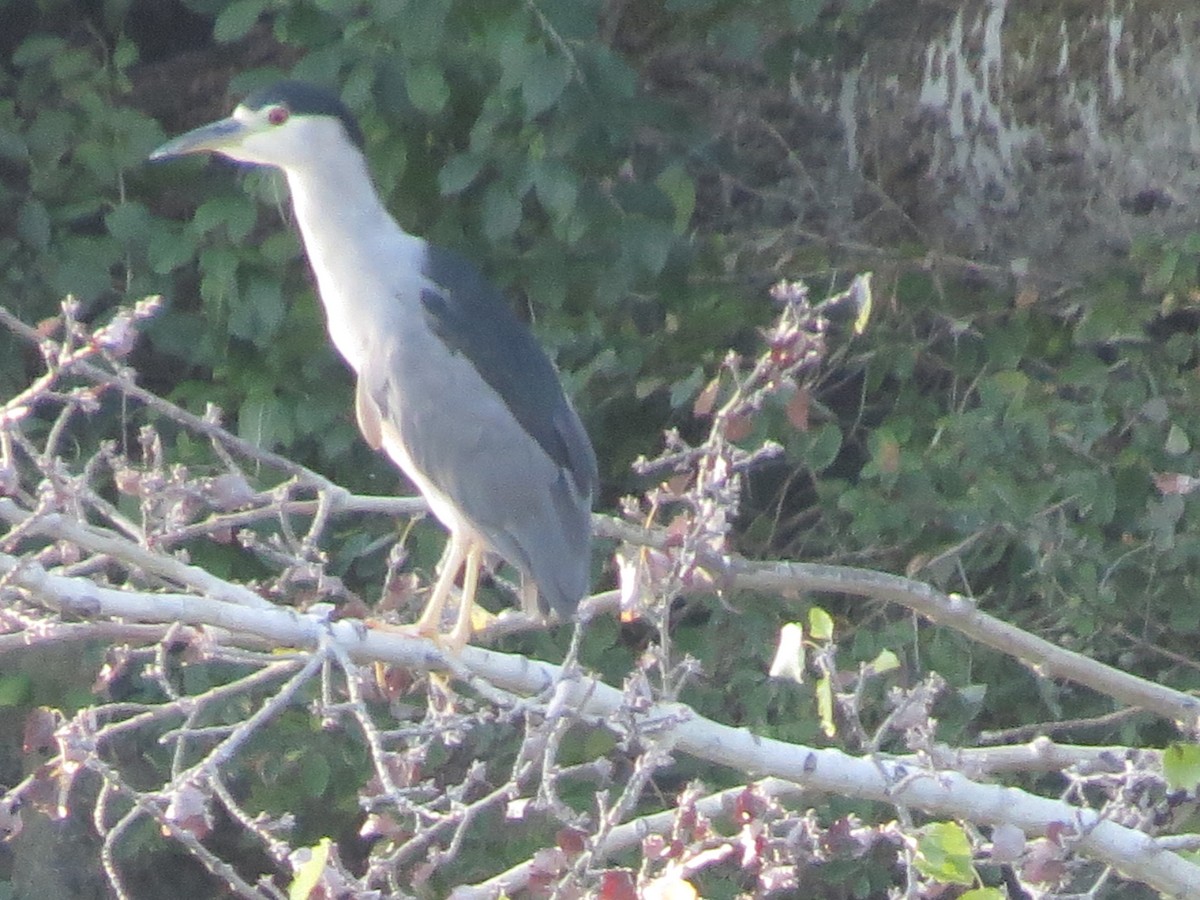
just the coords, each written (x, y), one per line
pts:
(1181, 766)
(14, 689)
(1022, 454)
(983, 894)
(68, 144)
(944, 854)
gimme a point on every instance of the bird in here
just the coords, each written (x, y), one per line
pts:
(449, 382)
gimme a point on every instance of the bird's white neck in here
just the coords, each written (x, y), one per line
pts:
(350, 238)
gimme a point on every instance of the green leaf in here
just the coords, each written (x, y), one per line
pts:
(820, 624)
(72, 65)
(236, 212)
(218, 281)
(825, 705)
(1181, 766)
(545, 79)
(885, 661)
(85, 266)
(236, 19)
(648, 243)
(500, 214)
(826, 444)
(125, 54)
(677, 184)
(458, 172)
(33, 224)
(14, 689)
(944, 854)
(337, 8)
(258, 311)
(262, 420)
(986, 893)
(314, 774)
(13, 146)
(1178, 442)
(308, 875)
(37, 48)
(169, 249)
(513, 53)
(280, 247)
(129, 223)
(427, 88)
(556, 187)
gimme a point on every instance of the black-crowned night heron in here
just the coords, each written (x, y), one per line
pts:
(450, 382)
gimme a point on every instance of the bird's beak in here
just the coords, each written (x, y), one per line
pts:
(211, 138)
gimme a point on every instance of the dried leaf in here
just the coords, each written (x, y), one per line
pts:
(1026, 298)
(1008, 843)
(549, 861)
(571, 841)
(381, 826)
(517, 809)
(48, 327)
(798, 408)
(189, 809)
(1044, 863)
(40, 726)
(707, 398)
(10, 817)
(738, 428)
(887, 455)
(1175, 483)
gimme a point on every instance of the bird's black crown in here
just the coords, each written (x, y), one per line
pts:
(304, 99)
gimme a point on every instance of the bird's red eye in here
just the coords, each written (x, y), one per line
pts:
(277, 115)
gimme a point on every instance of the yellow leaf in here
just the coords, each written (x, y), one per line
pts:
(820, 624)
(308, 873)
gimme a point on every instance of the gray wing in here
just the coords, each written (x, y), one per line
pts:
(473, 319)
(482, 417)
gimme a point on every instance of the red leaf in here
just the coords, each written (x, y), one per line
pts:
(1058, 832)
(654, 846)
(748, 806)
(617, 884)
(571, 841)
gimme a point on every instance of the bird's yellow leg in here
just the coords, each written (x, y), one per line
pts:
(457, 639)
(431, 619)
